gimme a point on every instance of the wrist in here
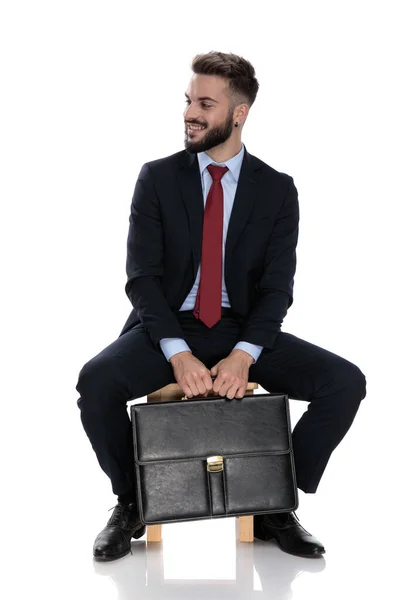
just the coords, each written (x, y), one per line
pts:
(176, 357)
(244, 355)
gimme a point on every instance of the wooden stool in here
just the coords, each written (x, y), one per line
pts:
(174, 391)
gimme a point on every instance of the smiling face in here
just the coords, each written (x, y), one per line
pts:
(208, 106)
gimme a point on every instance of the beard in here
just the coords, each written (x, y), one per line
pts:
(209, 138)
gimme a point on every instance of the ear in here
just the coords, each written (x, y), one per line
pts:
(241, 113)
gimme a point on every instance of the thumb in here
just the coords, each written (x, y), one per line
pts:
(214, 371)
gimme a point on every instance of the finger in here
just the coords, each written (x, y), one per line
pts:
(201, 386)
(187, 390)
(217, 384)
(193, 385)
(241, 391)
(225, 387)
(208, 382)
(231, 392)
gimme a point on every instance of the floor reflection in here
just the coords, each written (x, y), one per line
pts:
(141, 574)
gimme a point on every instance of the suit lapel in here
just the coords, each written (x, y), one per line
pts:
(192, 196)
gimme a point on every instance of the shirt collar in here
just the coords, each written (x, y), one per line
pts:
(234, 164)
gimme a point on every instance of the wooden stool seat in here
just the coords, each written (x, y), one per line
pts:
(174, 391)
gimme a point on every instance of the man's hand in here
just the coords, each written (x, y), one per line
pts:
(191, 374)
(232, 374)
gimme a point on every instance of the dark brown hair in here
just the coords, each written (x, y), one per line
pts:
(243, 85)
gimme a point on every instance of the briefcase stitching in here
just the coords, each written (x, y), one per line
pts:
(224, 483)
(209, 494)
(201, 458)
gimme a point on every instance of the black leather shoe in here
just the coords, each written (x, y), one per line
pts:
(114, 541)
(290, 536)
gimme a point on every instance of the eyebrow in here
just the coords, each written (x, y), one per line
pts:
(204, 98)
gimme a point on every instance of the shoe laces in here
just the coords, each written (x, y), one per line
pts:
(116, 520)
(116, 517)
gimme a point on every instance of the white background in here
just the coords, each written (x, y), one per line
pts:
(91, 91)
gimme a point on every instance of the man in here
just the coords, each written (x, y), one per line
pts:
(211, 258)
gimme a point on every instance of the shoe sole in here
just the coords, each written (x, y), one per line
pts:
(105, 558)
(113, 557)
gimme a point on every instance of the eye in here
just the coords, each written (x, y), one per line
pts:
(203, 104)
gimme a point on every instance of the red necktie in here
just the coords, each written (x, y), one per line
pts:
(209, 295)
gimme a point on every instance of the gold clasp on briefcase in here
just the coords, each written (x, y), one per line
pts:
(215, 464)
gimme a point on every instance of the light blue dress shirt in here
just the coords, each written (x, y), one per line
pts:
(171, 346)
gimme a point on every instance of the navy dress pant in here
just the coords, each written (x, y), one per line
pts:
(131, 367)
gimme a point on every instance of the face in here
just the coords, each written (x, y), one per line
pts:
(207, 104)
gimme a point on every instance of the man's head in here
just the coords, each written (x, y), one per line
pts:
(220, 94)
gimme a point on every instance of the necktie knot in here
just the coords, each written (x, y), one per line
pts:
(217, 172)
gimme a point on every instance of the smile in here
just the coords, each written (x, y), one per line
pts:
(193, 128)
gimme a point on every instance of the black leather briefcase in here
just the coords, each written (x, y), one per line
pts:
(213, 457)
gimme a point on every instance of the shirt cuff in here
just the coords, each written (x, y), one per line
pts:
(251, 349)
(171, 346)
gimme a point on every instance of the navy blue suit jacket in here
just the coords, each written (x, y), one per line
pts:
(164, 246)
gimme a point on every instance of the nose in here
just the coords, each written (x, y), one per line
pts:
(190, 115)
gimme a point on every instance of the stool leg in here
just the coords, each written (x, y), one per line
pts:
(246, 524)
(154, 533)
(246, 529)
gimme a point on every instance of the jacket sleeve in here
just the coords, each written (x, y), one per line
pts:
(275, 295)
(144, 263)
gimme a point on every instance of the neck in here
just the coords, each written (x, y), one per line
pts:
(225, 151)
